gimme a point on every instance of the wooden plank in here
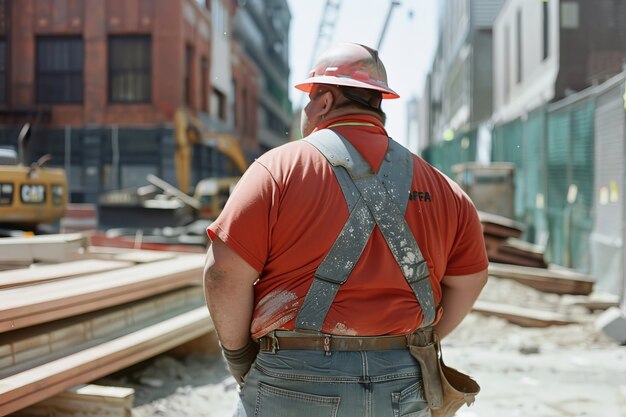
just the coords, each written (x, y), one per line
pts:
(84, 401)
(592, 302)
(25, 348)
(521, 316)
(26, 388)
(41, 248)
(500, 226)
(132, 255)
(524, 250)
(34, 304)
(207, 344)
(500, 221)
(144, 256)
(50, 272)
(546, 280)
(515, 260)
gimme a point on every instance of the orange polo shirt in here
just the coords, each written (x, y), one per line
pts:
(288, 209)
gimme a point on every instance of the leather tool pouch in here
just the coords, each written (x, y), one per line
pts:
(445, 388)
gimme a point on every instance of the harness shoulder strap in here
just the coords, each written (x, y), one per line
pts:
(372, 199)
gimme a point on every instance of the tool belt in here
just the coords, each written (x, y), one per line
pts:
(287, 340)
(445, 388)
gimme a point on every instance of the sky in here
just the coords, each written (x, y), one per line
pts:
(407, 50)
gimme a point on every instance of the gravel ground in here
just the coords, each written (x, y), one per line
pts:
(558, 371)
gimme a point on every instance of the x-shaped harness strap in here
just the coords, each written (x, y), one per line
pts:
(373, 199)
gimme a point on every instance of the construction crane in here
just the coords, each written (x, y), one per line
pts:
(325, 32)
(392, 6)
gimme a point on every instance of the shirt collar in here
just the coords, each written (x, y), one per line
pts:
(353, 120)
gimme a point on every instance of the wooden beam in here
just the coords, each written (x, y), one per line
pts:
(546, 280)
(41, 248)
(144, 256)
(24, 348)
(21, 390)
(521, 247)
(34, 304)
(84, 401)
(50, 272)
(521, 316)
(207, 344)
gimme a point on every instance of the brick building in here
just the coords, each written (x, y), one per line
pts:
(100, 80)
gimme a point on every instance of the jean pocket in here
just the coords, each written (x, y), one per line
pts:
(410, 402)
(280, 402)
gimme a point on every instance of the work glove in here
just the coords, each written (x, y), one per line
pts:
(239, 361)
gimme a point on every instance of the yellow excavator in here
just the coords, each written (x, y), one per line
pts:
(211, 193)
(161, 205)
(30, 195)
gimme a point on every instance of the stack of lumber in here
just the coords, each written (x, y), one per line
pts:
(559, 282)
(503, 244)
(92, 313)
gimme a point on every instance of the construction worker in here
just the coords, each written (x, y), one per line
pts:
(334, 251)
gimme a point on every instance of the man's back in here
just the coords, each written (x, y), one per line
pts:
(289, 211)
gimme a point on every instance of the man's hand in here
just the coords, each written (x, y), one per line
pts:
(240, 361)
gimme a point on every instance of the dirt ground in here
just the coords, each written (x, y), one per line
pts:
(558, 371)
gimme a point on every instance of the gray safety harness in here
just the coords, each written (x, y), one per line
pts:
(373, 199)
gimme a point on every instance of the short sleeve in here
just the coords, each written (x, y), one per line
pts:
(245, 223)
(468, 254)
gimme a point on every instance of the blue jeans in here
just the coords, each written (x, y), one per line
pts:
(342, 384)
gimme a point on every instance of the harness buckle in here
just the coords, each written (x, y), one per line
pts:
(327, 344)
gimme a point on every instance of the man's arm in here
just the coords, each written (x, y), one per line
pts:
(229, 291)
(458, 296)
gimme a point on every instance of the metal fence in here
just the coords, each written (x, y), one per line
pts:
(553, 150)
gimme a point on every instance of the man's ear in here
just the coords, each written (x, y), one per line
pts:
(327, 102)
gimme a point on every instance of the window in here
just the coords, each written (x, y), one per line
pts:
(519, 45)
(570, 18)
(507, 63)
(6, 193)
(130, 73)
(218, 104)
(204, 84)
(60, 70)
(546, 30)
(188, 75)
(3, 71)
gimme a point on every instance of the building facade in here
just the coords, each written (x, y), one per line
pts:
(546, 50)
(461, 76)
(101, 81)
(262, 29)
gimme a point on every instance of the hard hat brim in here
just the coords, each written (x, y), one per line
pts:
(307, 84)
